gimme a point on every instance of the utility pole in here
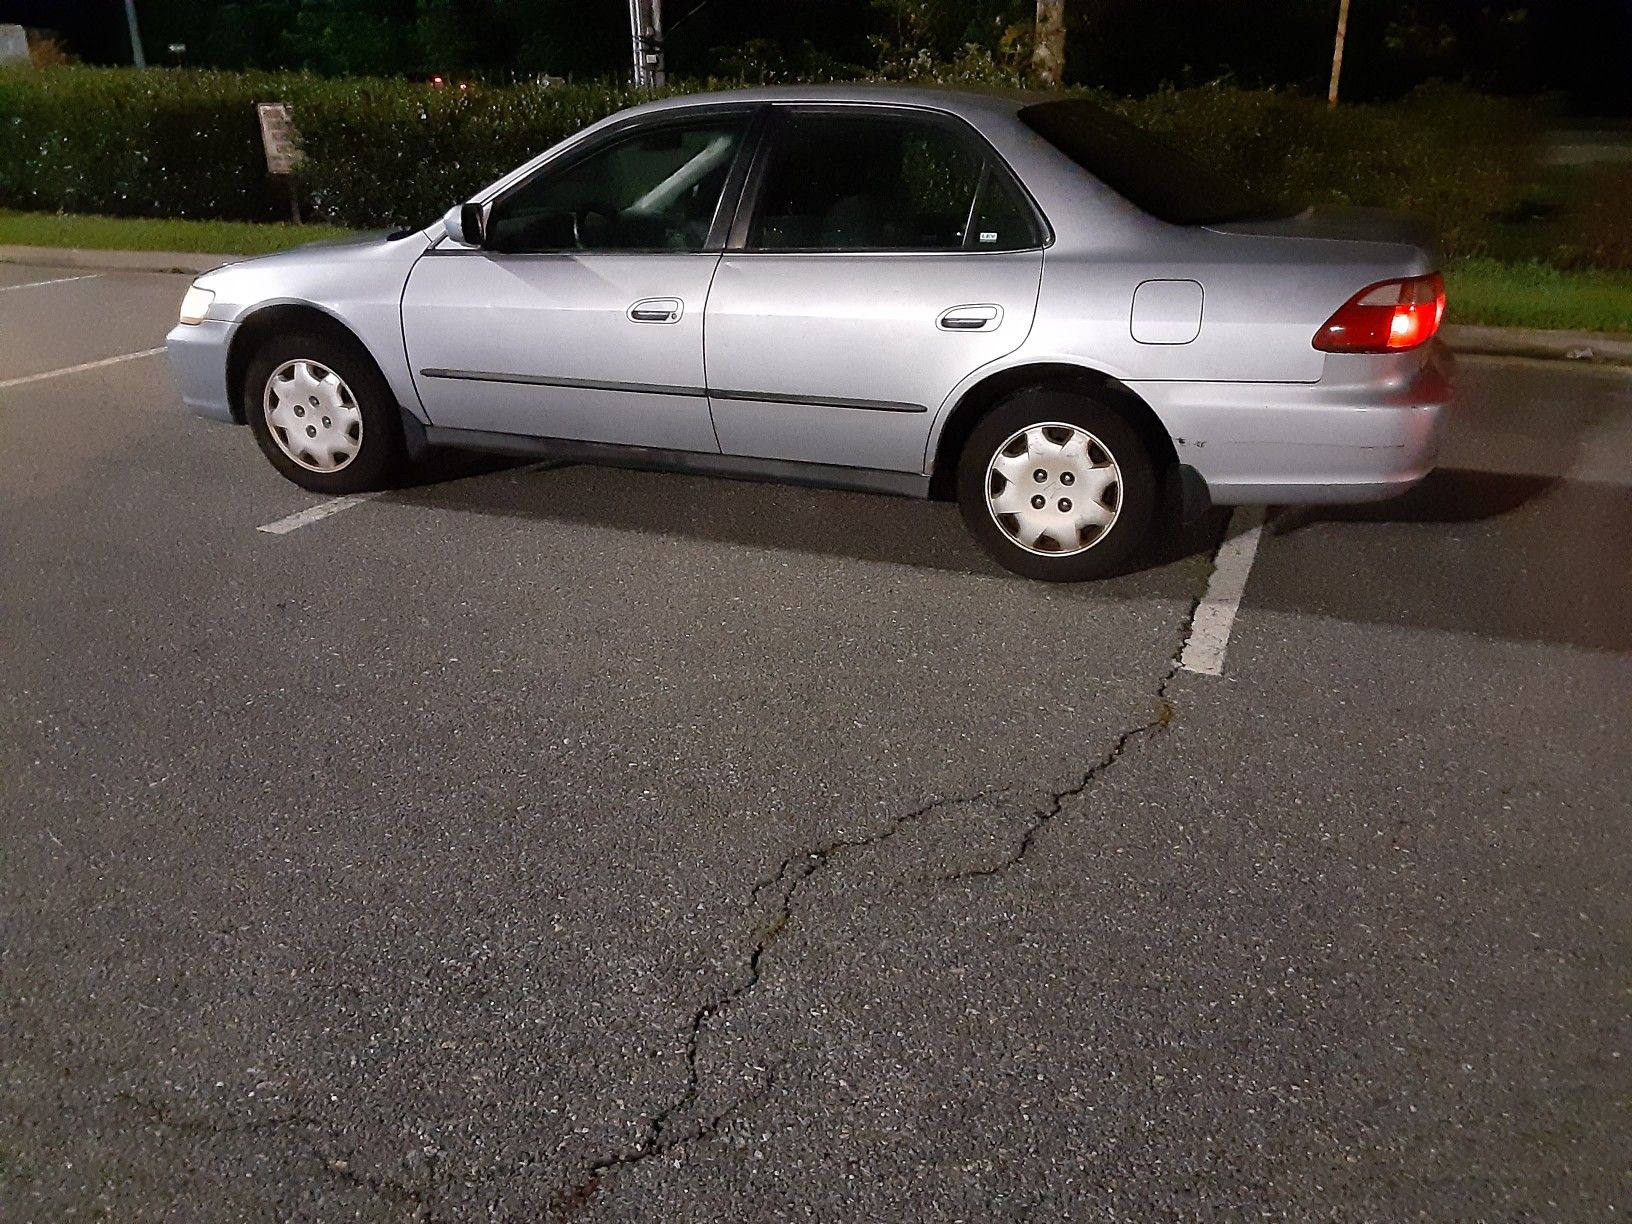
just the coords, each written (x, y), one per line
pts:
(660, 74)
(1337, 49)
(1048, 55)
(136, 55)
(637, 36)
(646, 38)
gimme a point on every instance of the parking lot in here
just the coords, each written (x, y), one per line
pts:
(552, 841)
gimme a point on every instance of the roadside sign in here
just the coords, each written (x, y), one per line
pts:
(283, 157)
(13, 45)
(278, 137)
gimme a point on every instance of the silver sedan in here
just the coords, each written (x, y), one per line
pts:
(1028, 305)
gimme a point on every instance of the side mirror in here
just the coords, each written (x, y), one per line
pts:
(464, 223)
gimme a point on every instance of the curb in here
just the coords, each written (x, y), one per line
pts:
(1595, 347)
(115, 261)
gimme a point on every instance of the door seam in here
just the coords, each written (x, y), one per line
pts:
(708, 399)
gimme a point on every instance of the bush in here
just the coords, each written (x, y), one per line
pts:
(1415, 155)
(389, 153)
(1602, 235)
(127, 143)
(186, 143)
(179, 143)
(46, 51)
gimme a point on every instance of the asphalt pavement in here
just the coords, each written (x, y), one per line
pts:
(545, 842)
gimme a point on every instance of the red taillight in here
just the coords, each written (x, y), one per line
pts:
(1386, 317)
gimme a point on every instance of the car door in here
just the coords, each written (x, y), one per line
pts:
(882, 255)
(582, 315)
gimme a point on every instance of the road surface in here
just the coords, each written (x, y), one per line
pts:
(558, 842)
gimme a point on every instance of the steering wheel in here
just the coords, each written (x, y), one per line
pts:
(608, 213)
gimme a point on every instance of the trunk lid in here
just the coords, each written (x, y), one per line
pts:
(1343, 223)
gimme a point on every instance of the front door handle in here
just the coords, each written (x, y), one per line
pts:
(970, 318)
(657, 310)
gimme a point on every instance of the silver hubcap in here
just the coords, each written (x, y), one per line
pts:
(313, 416)
(1054, 489)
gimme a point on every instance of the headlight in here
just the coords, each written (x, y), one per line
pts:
(196, 305)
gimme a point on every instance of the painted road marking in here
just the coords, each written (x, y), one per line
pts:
(321, 511)
(313, 514)
(61, 280)
(79, 369)
(1210, 628)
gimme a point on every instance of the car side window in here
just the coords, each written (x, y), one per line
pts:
(654, 190)
(871, 182)
(1003, 219)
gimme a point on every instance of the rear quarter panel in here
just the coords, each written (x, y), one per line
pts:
(1263, 299)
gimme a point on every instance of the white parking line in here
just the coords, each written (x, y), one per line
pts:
(312, 514)
(1210, 628)
(60, 280)
(79, 369)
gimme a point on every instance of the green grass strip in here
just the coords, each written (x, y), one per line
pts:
(145, 234)
(1484, 291)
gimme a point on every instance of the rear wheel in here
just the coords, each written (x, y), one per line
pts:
(1056, 485)
(323, 414)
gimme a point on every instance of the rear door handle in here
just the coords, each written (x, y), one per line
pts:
(970, 318)
(657, 310)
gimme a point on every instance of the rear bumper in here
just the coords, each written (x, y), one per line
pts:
(197, 353)
(1352, 437)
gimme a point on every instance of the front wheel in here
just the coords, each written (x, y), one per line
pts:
(323, 414)
(1057, 485)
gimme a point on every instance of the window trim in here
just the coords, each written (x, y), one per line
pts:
(776, 125)
(725, 209)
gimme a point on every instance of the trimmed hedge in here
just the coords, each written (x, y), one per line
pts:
(1448, 154)
(185, 143)
(388, 153)
(127, 143)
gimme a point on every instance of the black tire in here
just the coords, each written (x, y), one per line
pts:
(381, 455)
(1133, 498)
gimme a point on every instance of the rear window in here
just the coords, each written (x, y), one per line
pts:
(1169, 185)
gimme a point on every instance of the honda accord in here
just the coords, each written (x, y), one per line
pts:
(1024, 304)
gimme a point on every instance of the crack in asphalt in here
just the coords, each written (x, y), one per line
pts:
(815, 859)
(801, 866)
(161, 1114)
(1057, 801)
(790, 876)
(342, 1166)
(1160, 721)
(577, 1196)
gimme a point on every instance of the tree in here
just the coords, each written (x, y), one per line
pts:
(1048, 56)
(1337, 50)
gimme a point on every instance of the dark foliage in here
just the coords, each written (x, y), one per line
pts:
(388, 152)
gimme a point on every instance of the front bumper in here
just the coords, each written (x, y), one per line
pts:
(197, 353)
(1365, 432)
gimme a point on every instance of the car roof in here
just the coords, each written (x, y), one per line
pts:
(967, 103)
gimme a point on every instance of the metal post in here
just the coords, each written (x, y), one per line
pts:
(136, 55)
(637, 38)
(659, 74)
(646, 36)
(1337, 49)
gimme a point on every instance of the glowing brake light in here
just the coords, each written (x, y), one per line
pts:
(1386, 317)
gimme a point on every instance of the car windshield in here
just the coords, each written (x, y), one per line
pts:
(1169, 185)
